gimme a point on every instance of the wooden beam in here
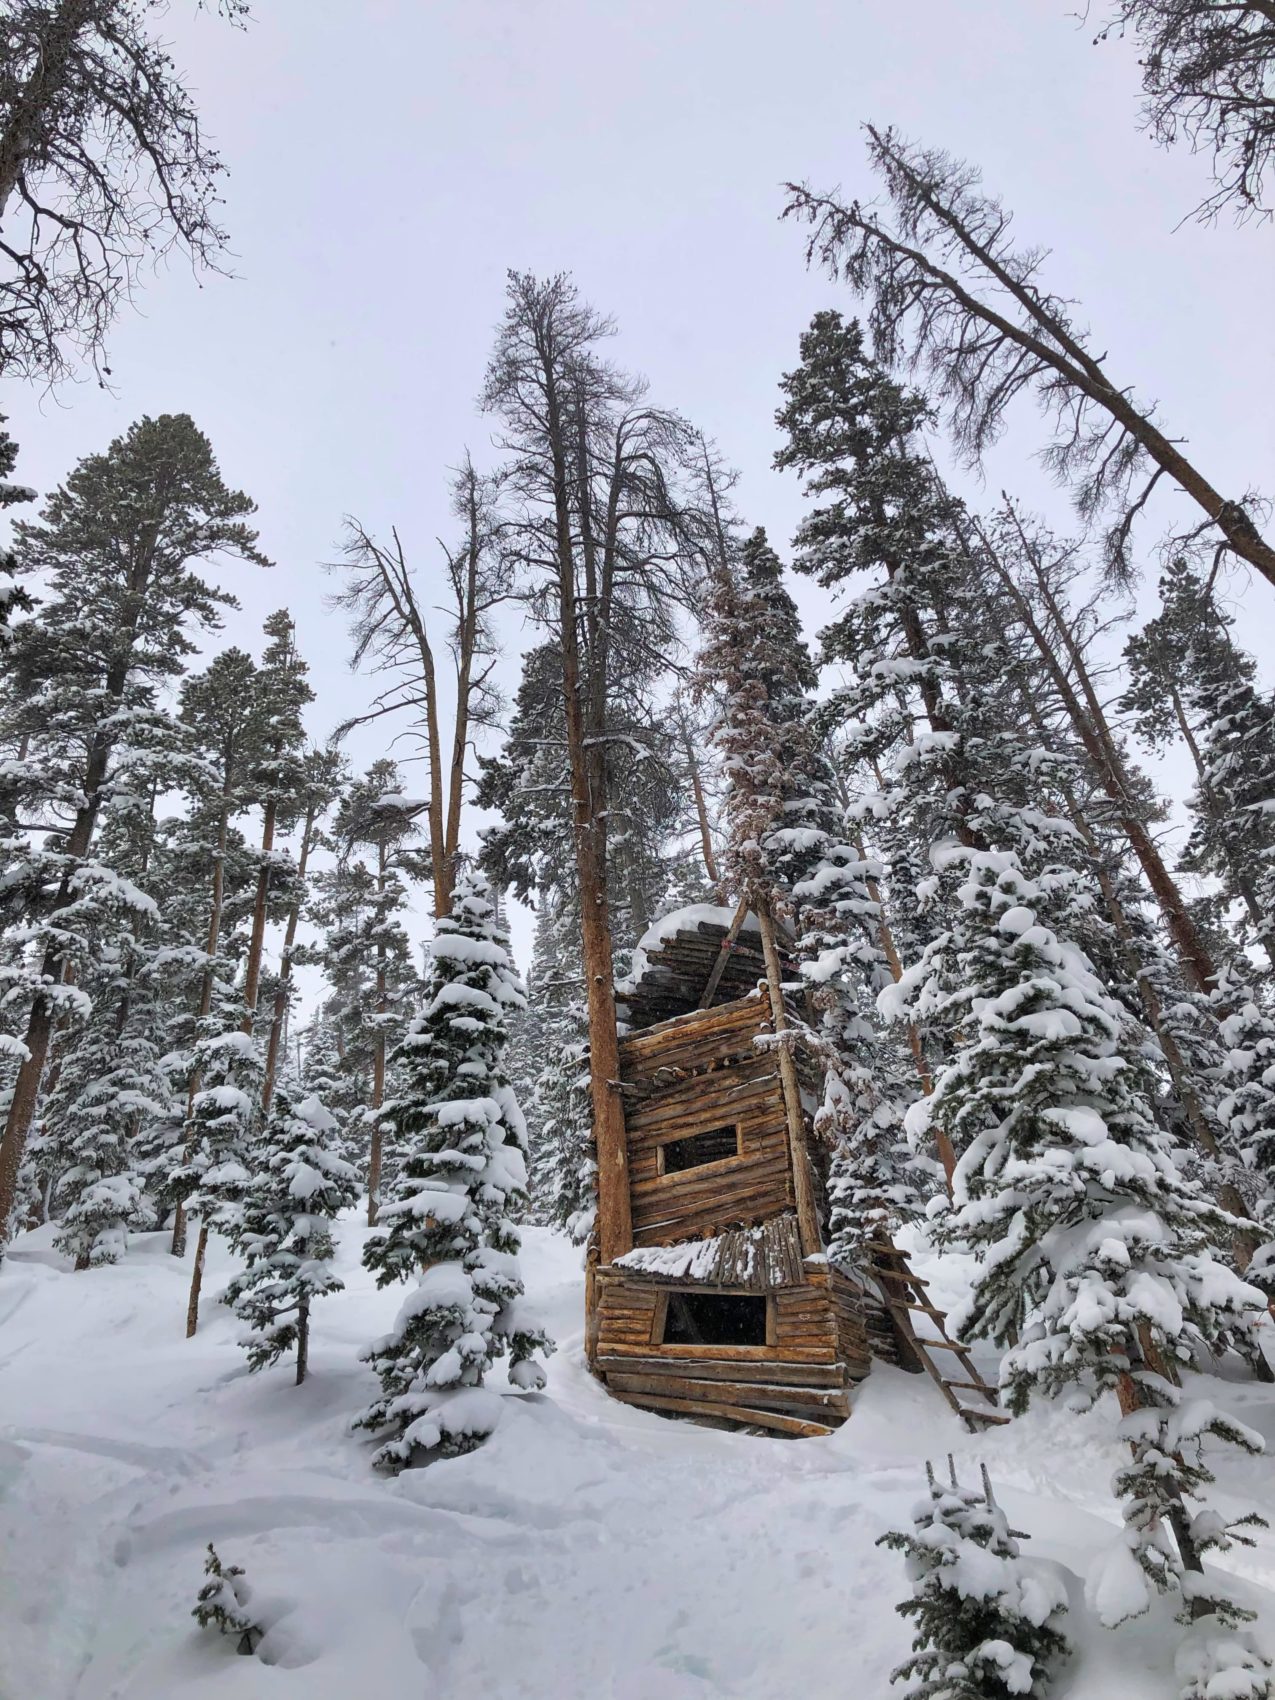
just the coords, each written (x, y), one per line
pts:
(803, 1182)
(723, 954)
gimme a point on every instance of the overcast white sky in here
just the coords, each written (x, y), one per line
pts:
(390, 159)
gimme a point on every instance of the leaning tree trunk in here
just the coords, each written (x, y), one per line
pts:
(1099, 746)
(39, 1029)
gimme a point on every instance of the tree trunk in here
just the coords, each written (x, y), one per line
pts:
(376, 1141)
(280, 1008)
(1098, 744)
(39, 1031)
(1054, 346)
(303, 1340)
(257, 942)
(196, 1282)
(799, 1155)
(216, 907)
(701, 807)
(588, 815)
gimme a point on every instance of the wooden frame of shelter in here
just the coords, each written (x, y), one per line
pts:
(718, 1301)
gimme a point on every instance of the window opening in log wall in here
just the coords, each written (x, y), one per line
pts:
(715, 1319)
(714, 1145)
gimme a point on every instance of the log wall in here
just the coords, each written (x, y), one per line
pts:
(798, 1383)
(689, 1075)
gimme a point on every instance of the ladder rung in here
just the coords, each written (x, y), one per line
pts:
(936, 1345)
(927, 1310)
(898, 1275)
(994, 1417)
(974, 1387)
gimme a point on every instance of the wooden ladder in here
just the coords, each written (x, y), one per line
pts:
(904, 1295)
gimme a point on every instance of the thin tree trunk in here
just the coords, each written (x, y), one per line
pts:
(701, 807)
(303, 1340)
(196, 1282)
(216, 908)
(1096, 738)
(1054, 347)
(257, 941)
(39, 1030)
(280, 1009)
(588, 813)
(376, 1141)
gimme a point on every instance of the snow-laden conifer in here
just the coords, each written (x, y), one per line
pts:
(987, 1621)
(110, 1085)
(1095, 1272)
(449, 1222)
(285, 1233)
(223, 1603)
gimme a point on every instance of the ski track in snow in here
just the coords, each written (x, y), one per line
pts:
(588, 1552)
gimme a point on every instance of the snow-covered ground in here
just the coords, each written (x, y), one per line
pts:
(588, 1550)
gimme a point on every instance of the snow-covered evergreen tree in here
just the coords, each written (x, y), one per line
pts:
(1094, 1272)
(325, 1076)
(449, 1221)
(285, 1230)
(987, 1621)
(222, 1128)
(116, 553)
(1189, 679)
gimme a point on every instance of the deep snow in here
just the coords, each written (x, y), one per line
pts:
(588, 1550)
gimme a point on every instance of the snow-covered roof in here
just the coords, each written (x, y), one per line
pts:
(675, 957)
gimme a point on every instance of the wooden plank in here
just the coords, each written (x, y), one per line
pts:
(821, 1354)
(717, 1369)
(796, 1401)
(732, 1413)
(722, 1018)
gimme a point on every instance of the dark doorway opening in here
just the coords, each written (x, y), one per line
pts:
(715, 1319)
(712, 1146)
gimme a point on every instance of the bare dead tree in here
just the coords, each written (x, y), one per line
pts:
(1208, 78)
(103, 167)
(391, 629)
(953, 293)
(605, 551)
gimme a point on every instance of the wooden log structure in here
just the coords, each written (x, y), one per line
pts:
(724, 1308)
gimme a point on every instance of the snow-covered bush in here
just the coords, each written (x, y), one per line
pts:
(1219, 1662)
(986, 1619)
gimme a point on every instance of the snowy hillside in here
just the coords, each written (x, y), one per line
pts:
(589, 1550)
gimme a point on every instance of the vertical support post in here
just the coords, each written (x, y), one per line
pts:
(802, 1181)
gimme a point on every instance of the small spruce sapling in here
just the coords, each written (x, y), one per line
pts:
(222, 1603)
(986, 1619)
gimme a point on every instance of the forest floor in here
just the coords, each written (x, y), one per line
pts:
(589, 1550)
